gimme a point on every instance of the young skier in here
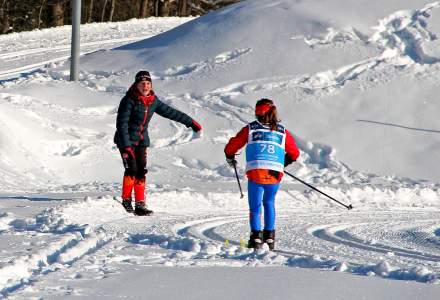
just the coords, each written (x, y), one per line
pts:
(134, 114)
(270, 148)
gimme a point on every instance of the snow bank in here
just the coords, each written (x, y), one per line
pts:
(72, 242)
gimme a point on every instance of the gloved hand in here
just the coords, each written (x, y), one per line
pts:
(273, 173)
(195, 126)
(128, 151)
(231, 160)
(287, 160)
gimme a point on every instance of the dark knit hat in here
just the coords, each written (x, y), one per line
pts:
(142, 76)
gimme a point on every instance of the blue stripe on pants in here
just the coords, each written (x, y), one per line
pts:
(258, 195)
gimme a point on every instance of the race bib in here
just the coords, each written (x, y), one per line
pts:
(265, 148)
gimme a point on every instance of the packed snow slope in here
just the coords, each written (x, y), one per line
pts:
(27, 51)
(357, 89)
(340, 71)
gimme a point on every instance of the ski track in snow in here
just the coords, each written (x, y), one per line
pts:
(316, 161)
(53, 45)
(204, 67)
(334, 36)
(392, 243)
(399, 37)
(69, 243)
(319, 255)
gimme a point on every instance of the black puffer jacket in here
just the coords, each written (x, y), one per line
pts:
(134, 115)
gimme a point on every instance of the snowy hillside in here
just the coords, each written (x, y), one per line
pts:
(356, 74)
(355, 81)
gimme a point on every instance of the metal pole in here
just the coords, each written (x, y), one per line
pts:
(76, 22)
(321, 192)
(238, 179)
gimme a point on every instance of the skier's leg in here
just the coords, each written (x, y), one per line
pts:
(255, 195)
(139, 184)
(270, 191)
(127, 186)
(128, 180)
(139, 189)
(269, 238)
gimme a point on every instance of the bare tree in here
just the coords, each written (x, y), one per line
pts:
(89, 15)
(221, 3)
(164, 9)
(204, 6)
(5, 17)
(197, 8)
(103, 11)
(112, 10)
(20, 15)
(57, 12)
(40, 11)
(144, 11)
(156, 8)
(182, 8)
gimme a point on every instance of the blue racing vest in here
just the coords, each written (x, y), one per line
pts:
(265, 148)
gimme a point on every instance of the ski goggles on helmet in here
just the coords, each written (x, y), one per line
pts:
(262, 109)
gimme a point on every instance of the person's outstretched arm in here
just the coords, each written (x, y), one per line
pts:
(173, 114)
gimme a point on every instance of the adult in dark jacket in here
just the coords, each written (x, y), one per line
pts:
(134, 114)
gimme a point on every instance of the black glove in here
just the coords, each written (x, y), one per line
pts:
(287, 160)
(274, 173)
(128, 150)
(230, 159)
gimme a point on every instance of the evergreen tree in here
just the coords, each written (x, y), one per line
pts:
(24, 15)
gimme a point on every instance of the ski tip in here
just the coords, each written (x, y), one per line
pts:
(350, 207)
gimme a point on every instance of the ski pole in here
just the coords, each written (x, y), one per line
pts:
(312, 187)
(238, 179)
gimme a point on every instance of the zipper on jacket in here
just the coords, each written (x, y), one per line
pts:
(141, 132)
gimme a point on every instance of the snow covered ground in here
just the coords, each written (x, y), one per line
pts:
(357, 89)
(28, 51)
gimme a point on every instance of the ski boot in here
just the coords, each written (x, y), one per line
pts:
(141, 209)
(269, 238)
(126, 203)
(256, 239)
